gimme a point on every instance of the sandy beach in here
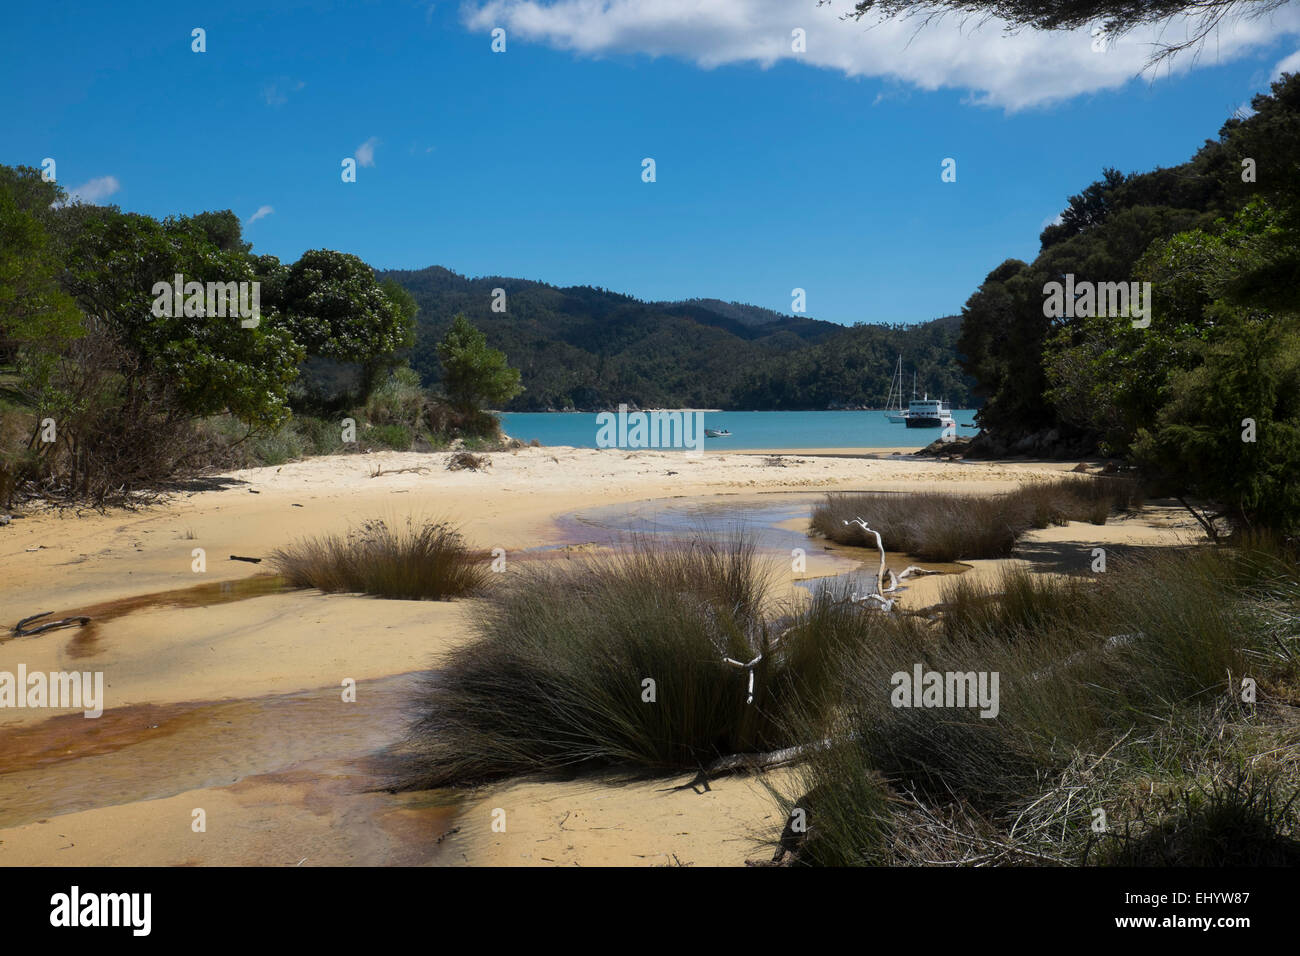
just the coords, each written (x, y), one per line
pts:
(229, 700)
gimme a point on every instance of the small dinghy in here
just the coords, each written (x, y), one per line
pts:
(716, 433)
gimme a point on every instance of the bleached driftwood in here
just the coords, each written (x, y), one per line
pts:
(881, 588)
(749, 699)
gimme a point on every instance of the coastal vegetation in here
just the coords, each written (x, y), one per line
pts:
(1128, 729)
(116, 378)
(640, 663)
(425, 560)
(1205, 396)
(591, 349)
(941, 526)
(1137, 716)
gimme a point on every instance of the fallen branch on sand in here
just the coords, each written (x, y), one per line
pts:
(751, 762)
(379, 470)
(20, 630)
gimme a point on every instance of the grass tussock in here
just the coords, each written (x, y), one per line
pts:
(936, 526)
(1018, 602)
(416, 561)
(1123, 696)
(621, 663)
(1246, 819)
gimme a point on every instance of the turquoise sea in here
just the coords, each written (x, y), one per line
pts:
(749, 430)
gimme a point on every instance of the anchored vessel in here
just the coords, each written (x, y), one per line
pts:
(894, 403)
(928, 413)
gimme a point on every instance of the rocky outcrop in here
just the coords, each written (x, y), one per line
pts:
(1049, 443)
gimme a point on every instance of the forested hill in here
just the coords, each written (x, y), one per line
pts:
(588, 348)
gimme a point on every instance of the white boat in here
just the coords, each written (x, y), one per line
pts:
(894, 412)
(716, 433)
(929, 412)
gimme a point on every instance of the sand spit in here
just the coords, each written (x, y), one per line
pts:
(233, 704)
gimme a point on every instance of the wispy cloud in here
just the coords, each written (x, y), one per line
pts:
(262, 213)
(1016, 71)
(366, 152)
(96, 189)
(276, 93)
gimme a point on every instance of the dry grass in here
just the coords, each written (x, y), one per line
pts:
(414, 562)
(936, 526)
(558, 676)
(1122, 695)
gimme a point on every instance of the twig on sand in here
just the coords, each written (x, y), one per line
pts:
(379, 470)
(19, 629)
(749, 762)
(236, 557)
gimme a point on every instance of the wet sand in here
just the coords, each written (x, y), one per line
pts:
(224, 693)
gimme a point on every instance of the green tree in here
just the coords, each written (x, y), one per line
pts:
(335, 309)
(207, 364)
(36, 315)
(474, 375)
(1229, 431)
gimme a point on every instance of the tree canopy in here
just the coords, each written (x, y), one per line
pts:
(473, 374)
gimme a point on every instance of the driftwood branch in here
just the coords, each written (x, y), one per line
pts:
(882, 589)
(21, 630)
(749, 762)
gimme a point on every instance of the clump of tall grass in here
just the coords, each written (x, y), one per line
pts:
(1137, 673)
(1092, 499)
(622, 663)
(1245, 819)
(416, 561)
(1017, 601)
(932, 526)
(937, 526)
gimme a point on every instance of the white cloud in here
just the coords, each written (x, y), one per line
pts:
(1290, 65)
(262, 213)
(276, 93)
(95, 190)
(366, 152)
(1029, 68)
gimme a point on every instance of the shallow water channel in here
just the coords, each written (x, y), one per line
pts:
(146, 752)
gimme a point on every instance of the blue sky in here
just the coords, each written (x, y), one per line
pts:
(775, 169)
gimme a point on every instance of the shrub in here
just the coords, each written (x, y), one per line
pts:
(399, 400)
(396, 437)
